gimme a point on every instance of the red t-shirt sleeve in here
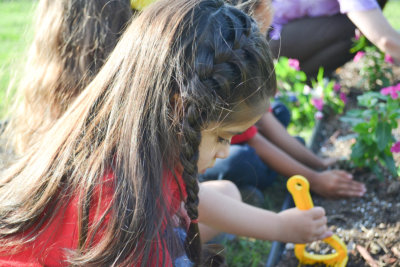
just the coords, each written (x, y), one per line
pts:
(61, 235)
(244, 137)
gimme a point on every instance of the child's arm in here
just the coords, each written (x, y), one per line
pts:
(229, 215)
(332, 184)
(373, 24)
(273, 130)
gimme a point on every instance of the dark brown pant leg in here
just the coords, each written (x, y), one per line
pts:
(315, 42)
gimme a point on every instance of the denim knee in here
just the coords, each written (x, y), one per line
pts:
(243, 167)
(281, 113)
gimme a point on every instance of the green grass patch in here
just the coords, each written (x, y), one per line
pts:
(246, 252)
(392, 13)
(15, 35)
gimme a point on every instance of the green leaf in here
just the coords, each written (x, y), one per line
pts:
(383, 135)
(362, 128)
(358, 150)
(377, 170)
(320, 75)
(354, 113)
(351, 120)
(390, 165)
(369, 99)
(359, 44)
(367, 114)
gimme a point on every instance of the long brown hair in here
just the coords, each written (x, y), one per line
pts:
(180, 66)
(72, 40)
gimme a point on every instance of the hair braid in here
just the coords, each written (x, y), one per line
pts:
(222, 77)
(189, 157)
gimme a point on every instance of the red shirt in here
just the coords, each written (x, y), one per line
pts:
(245, 136)
(62, 233)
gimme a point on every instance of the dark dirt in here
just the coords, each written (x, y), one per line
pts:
(370, 225)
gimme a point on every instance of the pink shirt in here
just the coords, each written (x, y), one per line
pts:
(288, 10)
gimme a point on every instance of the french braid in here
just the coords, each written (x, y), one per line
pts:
(224, 58)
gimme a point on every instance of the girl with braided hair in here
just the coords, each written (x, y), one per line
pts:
(105, 184)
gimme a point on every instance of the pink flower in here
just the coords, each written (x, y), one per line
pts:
(391, 90)
(397, 87)
(386, 90)
(294, 64)
(318, 103)
(318, 115)
(395, 148)
(343, 97)
(306, 90)
(337, 87)
(358, 56)
(389, 59)
(357, 34)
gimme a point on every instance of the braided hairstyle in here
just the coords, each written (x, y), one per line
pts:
(228, 68)
(247, 6)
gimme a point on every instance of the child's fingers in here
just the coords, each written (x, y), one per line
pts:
(317, 212)
(343, 174)
(351, 188)
(320, 222)
(326, 234)
(320, 231)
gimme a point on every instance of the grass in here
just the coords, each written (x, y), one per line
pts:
(15, 22)
(392, 11)
(246, 252)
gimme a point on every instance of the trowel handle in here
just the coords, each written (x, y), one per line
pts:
(299, 187)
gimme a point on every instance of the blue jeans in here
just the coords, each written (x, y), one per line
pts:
(243, 166)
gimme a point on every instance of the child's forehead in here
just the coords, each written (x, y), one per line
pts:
(233, 128)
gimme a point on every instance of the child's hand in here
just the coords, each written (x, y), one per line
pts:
(337, 184)
(299, 226)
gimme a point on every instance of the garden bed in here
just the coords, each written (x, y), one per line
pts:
(370, 225)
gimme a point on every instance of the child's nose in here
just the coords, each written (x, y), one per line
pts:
(223, 152)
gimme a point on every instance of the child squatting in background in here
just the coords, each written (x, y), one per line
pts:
(319, 33)
(105, 183)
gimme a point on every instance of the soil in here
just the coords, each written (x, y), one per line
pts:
(370, 225)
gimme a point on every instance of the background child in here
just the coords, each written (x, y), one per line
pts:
(71, 42)
(200, 73)
(320, 33)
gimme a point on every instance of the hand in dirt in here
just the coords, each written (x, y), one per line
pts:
(303, 226)
(337, 184)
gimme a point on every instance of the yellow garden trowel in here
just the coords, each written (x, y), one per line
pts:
(299, 187)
